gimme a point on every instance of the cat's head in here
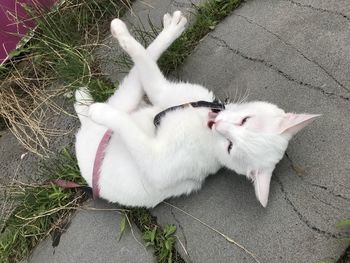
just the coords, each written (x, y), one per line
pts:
(253, 137)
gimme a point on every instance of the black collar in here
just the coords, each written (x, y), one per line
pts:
(215, 106)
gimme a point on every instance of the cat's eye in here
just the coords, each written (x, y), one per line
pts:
(244, 120)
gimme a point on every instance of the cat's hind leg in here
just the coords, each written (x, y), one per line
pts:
(130, 92)
(145, 149)
(83, 100)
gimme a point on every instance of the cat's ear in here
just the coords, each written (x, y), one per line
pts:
(261, 179)
(292, 123)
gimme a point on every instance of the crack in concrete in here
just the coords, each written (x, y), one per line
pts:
(324, 202)
(296, 49)
(337, 13)
(277, 70)
(322, 187)
(182, 4)
(303, 218)
(182, 231)
(331, 192)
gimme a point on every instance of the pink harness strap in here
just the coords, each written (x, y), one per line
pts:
(98, 162)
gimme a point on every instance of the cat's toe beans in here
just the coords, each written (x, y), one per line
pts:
(177, 17)
(118, 28)
(182, 21)
(167, 20)
(177, 23)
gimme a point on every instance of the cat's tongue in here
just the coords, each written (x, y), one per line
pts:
(211, 119)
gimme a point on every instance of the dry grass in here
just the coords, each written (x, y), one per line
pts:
(25, 104)
(56, 60)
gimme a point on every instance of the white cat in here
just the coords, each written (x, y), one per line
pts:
(144, 164)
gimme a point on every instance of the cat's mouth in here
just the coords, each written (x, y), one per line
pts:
(210, 124)
(211, 119)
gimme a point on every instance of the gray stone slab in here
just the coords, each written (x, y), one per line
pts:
(297, 57)
(93, 237)
(334, 7)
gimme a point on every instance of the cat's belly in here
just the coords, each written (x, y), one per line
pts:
(124, 182)
(120, 179)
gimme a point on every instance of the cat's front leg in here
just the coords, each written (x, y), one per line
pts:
(174, 25)
(130, 92)
(152, 79)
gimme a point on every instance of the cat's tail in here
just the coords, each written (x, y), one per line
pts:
(83, 100)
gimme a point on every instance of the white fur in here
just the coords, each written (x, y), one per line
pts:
(143, 165)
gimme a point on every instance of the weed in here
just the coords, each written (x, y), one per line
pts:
(40, 209)
(162, 240)
(345, 258)
(344, 222)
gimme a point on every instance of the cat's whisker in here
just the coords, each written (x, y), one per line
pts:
(244, 97)
(239, 95)
(228, 96)
(231, 98)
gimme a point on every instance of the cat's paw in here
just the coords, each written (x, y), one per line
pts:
(118, 28)
(99, 112)
(174, 24)
(126, 41)
(167, 20)
(120, 32)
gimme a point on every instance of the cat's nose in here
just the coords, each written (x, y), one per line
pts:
(212, 115)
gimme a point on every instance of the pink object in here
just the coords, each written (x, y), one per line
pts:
(292, 123)
(65, 183)
(98, 162)
(15, 22)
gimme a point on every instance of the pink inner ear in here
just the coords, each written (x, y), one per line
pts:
(262, 180)
(292, 123)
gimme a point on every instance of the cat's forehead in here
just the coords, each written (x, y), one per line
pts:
(255, 108)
